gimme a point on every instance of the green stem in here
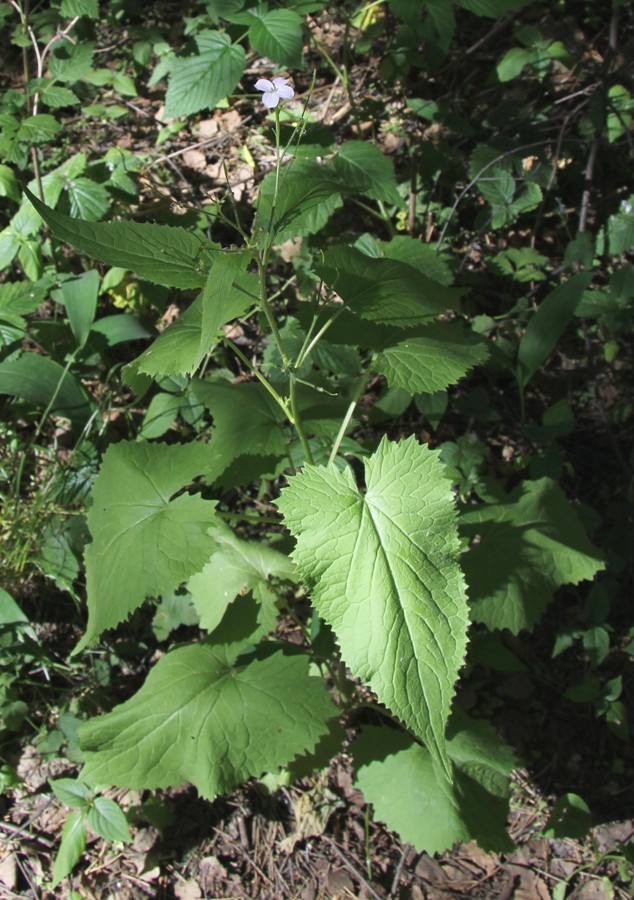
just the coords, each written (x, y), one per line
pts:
(269, 387)
(299, 425)
(266, 308)
(308, 347)
(293, 415)
(346, 419)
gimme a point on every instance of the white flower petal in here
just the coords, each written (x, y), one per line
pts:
(280, 82)
(263, 84)
(270, 100)
(286, 92)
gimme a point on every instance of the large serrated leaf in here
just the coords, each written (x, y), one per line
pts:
(247, 420)
(160, 253)
(398, 777)
(309, 193)
(384, 290)
(384, 574)
(423, 257)
(144, 542)
(180, 348)
(526, 548)
(201, 81)
(277, 34)
(363, 169)
(203, 718)
(433, 358)
(175, 350)
(219, 287)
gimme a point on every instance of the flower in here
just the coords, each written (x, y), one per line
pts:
(274, 91)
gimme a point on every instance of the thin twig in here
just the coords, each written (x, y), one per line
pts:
(17, 832)
(397, 874)
(588, 174)
(476, 178)
(353, 871)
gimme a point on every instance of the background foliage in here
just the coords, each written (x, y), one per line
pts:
(319, 442)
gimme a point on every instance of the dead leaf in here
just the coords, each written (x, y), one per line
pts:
(207, 128)
(194, 159)
(230, 120)
(312, 812)
(8, 871)
(187, 890)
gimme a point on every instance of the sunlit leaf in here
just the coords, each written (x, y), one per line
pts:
(383, 570)
(205, 717)
(146, 541)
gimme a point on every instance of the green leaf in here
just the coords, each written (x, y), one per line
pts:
(384, 575)
(60, 549)
(56, 97)
(79, 297)
(88, 200)
(226, 270)
(144, 542)
(160, 253)
(363, 169)
(202, 717)
(124, 85)
(160, 415)
(548, 324)
(492, 8)
(527, 547)
(443, 17)
(177, 350)
(71, 792)
(106, 819)
(71, 8)
(236, 567)
(309, 193)
(384, 290)
(38, 129)
(513, 62)
(174, 610)
(570, 818)
(621, 228)
(200, 82)
(19, 298)
(72, 845)
(498, 188)
(398, 777)
(44, 383)
(423, 257)
(71, 62)
(277, 34)
(431, 359)
(12, 617)
(246, 419)
(121, 327)
(9, 184)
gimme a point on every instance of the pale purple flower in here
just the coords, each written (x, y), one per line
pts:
(274, 91)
